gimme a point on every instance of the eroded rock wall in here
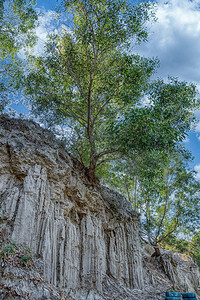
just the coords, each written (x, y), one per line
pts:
(82, 234)
(85, 238)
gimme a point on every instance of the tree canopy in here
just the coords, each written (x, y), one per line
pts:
(90, 80)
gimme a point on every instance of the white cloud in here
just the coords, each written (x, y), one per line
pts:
(197, 169)
(186, 140)
(197, 116)
(45, 28)
(174, 38)
(197, 127)
(50, 22)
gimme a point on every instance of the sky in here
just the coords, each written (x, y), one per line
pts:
(174, 39)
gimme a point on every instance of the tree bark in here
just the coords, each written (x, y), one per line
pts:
(156, 252)
(91, 173)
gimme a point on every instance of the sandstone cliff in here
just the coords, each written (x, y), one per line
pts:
(84, 240)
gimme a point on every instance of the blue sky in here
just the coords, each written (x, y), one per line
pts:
(47, 4)
(174, 39)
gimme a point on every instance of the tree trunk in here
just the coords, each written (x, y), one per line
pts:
(91, 173)
(92, 167)
(157, 252)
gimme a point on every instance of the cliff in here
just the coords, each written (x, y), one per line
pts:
(83, 240)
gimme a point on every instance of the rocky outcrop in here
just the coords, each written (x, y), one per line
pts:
(181, 270)
(171, 271)
(83, 235)
(85, 238)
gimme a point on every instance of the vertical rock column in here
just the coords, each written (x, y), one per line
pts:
(117, 255)
(134, 256)
(93, 254)
(27, 212)
(124, 256)
(70, 262)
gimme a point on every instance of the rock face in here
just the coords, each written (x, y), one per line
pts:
(82, 234)
(86, 238)
(181, 270)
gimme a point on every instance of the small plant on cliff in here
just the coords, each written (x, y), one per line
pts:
(26, 259)
(12, 254)
(7, 250)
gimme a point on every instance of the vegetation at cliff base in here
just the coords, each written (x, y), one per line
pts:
(191, 248)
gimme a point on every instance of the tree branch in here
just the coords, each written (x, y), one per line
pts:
(105, 152)
(106, 160)
(170, 232)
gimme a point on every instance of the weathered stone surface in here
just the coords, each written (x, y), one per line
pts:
(181, 270)
(80, 233)
(86, 237)
(171, 270)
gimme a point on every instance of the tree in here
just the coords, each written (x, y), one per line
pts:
(163, 190)
(171, 202)
(129, 174)
(17, 21)
(194, 247)
(89, 81)
(86, 78)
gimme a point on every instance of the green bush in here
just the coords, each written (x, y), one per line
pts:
(8, 249)
(15, 255)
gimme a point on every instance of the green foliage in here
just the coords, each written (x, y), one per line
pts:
(85, 79)
(171, 200)
(189, 247)
(163, 123)
(175, 244)
(113, 22)
(9, 71)
(16, 255)
(25, 259)
(195, 248)
(8, 249)
(17, 21)
(162, 189)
